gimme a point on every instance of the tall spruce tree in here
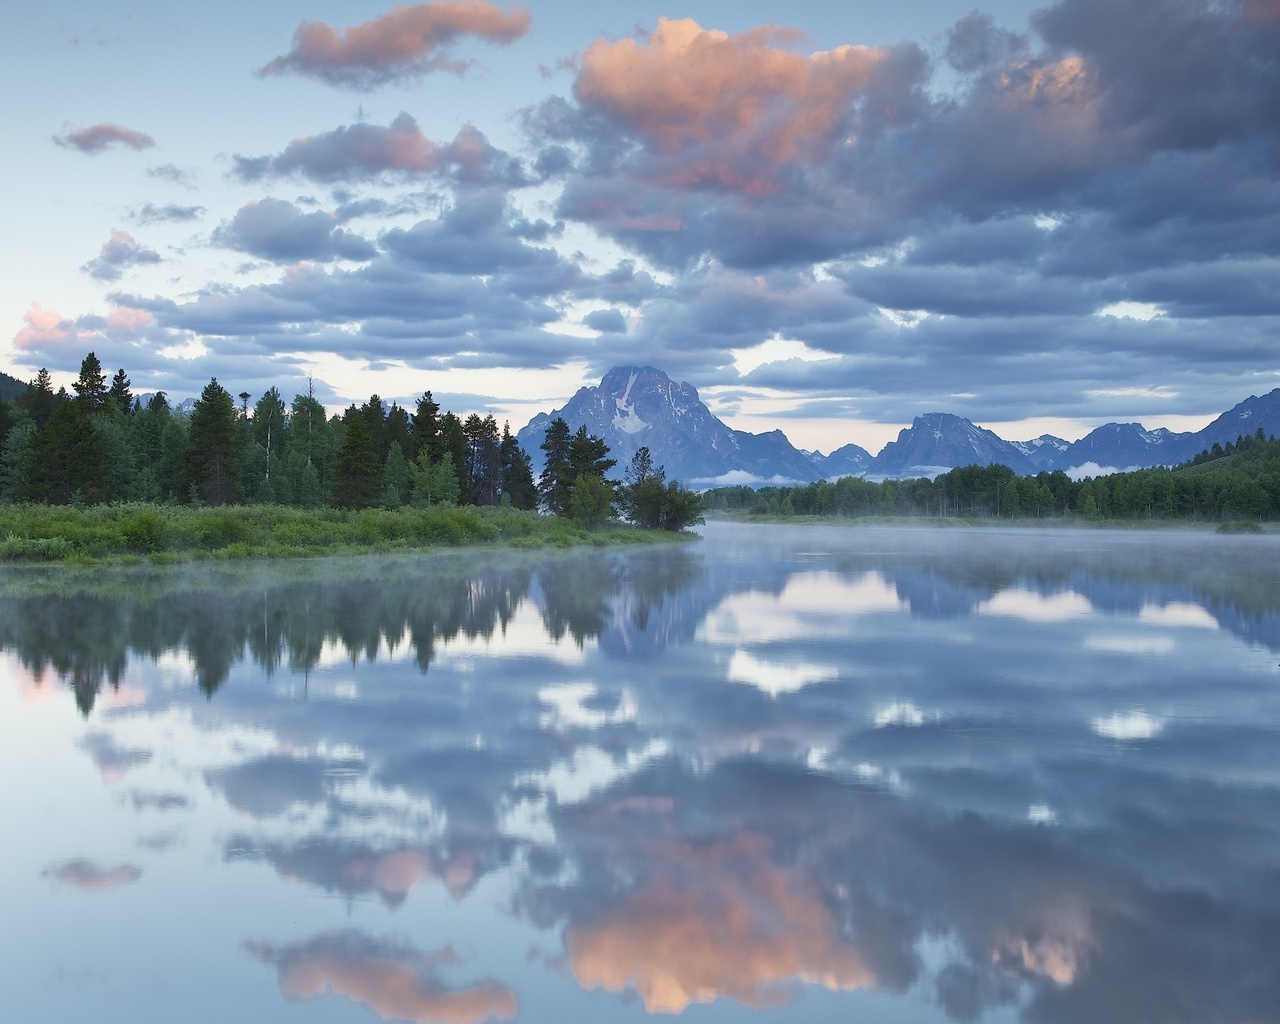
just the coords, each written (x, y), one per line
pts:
(557, 473)
(215, 440)
(357, 471)
(91, 386)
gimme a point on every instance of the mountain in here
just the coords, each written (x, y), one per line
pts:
(638, 406)
(851, 460)
(1125, 446)
(1043, 451)
(11, 388)
(938, 441)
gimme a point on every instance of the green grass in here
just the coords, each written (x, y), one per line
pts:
(131, 533)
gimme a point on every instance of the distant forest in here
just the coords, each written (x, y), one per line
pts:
(1240, 481)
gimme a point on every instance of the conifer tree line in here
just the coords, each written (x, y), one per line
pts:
(100, 444)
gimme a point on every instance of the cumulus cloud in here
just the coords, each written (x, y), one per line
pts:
(396, 982)
(275, 229)
(120, 252)
(404, 44)
(720, 110)
(99, 137)
(363, 151)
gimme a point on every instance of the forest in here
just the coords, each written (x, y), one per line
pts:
(1238, 482)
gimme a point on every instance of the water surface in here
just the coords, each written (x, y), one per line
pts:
(800, 774)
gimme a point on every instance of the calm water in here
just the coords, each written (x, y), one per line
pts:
(804, 774)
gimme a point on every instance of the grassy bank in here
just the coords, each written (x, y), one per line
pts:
(171, 533)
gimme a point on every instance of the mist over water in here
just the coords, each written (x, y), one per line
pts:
(809, 773)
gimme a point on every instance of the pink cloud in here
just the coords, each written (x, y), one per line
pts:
(724, 110)
(87, 876)
(49, 332)
(96, 138)
(406, 42)
(397, 984)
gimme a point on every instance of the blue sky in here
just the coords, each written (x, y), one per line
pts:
(828, 217)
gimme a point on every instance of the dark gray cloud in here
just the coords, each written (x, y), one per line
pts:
(100, 137)
(120, 252)
(277, 230)
(363, 152)
(606, 321)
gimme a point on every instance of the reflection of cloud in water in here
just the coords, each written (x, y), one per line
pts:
(569, 708)
(86, 875)
(716, 922)
(396, 982)
(898, 713)
(1128, 725)
(1180, 614)
(811, 604)
(111, 759)
(774, 677)
(1117, 644)
(1019, 603)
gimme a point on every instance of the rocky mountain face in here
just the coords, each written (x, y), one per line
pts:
(636, 406)
(939, 441)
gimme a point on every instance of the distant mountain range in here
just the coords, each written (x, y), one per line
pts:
(636, 406)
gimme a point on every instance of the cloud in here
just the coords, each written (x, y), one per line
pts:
(723, 111)
(396, 982)
(173, 173)
(275, 229)
(99, 137)
(606, 321)
(89, 877)
(363, 151)
(402, 45)
(49, 333)
(117, 255)
(171, 213)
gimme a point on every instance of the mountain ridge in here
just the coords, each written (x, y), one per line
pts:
(635, 406)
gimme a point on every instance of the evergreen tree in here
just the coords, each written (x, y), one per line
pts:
(555, 481)
(434, 483)
(357, 470)
(517, 472)
(426, 429)
(91, 386)
(398, 430)
(376, 423)
(39, 399)
(311, 436)
(211, 462)
(484, 466)
(65, 458)
(455, 446)
(120, 393)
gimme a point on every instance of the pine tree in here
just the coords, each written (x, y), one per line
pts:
(120, 392)
(426, 429)
(517, 472)
(215, 441)
(555, 481)
(357, 470)
(91, 386)
(39, 399)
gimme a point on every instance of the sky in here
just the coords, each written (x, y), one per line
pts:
(829, 218)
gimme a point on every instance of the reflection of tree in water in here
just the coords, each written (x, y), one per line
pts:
(288, 619)
(88, 636)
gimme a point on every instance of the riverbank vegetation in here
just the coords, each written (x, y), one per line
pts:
(1236, 483)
